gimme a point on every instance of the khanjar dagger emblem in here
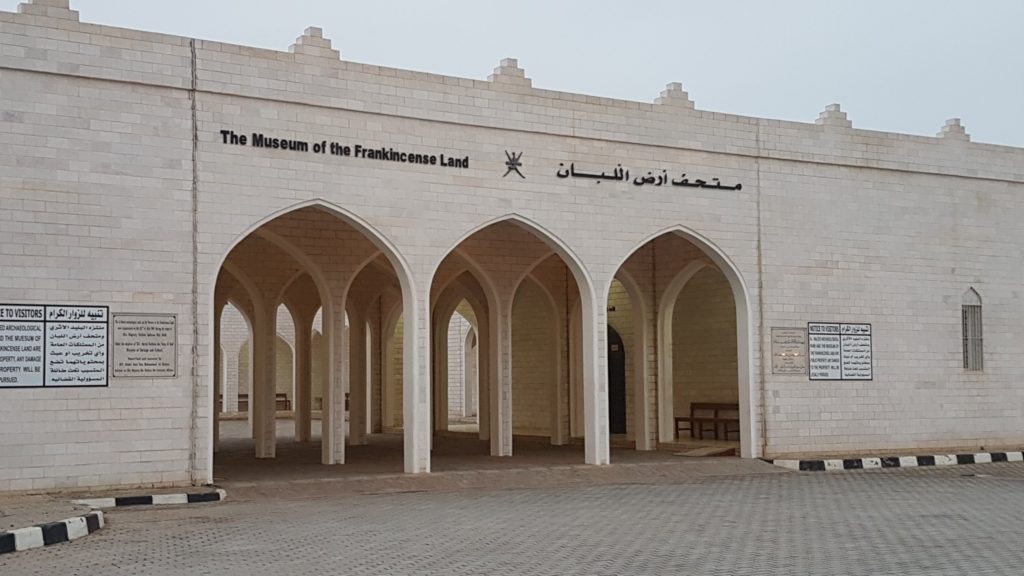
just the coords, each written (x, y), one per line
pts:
(513, 163)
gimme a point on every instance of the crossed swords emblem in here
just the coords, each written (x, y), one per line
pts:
(513, 163)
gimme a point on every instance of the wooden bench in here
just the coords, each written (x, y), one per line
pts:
(281, 402)
(710, 417)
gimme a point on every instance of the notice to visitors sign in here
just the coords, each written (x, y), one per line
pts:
(53, 345)
(839, 351)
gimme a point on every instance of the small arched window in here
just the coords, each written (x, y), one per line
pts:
(971, 319)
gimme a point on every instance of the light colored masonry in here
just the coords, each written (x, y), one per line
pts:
(156, 174)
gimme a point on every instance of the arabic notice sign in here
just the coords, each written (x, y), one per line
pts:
(789, 351)
(839, 351)
(42, 345)
(145, 346)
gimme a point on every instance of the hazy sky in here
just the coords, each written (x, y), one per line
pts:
(901, 66)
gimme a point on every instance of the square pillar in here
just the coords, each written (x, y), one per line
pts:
(501, 380)
(595, 382)
(262, 396)
(303, 378)
(416, 382)
(484, 362)
(333, 412)
(357, 379)
(440, 374)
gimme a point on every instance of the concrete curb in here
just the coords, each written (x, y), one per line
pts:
(216, 495)
(50, 533)
(897, 461)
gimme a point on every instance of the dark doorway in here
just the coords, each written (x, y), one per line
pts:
(616, 383)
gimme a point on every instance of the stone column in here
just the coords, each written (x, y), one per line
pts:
(357, 414)
(303, 377)
(377, 370)
(501, 380)
(262, 397)
(416, 384)
(335, 385)
(595, 383)
(560, 396)
(484, 353)
(440, 379)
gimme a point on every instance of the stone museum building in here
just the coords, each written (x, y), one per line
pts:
(196, 234)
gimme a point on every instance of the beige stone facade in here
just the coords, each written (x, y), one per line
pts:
(374, 202)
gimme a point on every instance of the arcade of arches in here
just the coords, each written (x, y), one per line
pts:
(311, 346)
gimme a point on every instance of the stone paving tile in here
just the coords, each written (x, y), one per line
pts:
(656, 472)
(458, 461)
(956, 520)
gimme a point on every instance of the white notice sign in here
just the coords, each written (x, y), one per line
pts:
(145, 346)
(789, 351)
(856, 351)
(21, 346)
(53, 346)
(839, 351)
(76, 346)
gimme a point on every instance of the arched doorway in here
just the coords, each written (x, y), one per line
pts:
(325, 267)
(616, 383)
(691, 342)
(529, 282)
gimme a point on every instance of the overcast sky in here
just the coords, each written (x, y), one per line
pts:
(901, 66)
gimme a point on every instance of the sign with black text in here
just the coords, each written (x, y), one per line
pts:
(53, 346)
(789, 351)
(145, 346)
(837, 351)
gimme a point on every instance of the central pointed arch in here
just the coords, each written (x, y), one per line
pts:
(594, 376)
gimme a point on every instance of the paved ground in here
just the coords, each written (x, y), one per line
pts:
(907, 522)
(23, 510)
(235, 466)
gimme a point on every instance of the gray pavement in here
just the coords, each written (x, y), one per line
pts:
(953, 520)
(24, 510)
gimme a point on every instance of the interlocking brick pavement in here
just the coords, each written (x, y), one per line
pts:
(922, 521)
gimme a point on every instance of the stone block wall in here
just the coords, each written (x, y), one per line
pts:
(106, 201)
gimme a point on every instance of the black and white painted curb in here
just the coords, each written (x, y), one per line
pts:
(897, 461)
(155, 499)
(50, 533)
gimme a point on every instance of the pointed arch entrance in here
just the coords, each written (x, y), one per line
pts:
(691, 320)
(310, 257)
(502, 256)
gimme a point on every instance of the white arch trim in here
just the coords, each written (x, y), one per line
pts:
(417, 457)
(751, 441)
(595, 374)
(444, 308)
(484, 301)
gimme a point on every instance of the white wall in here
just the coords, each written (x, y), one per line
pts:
(834, 223)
